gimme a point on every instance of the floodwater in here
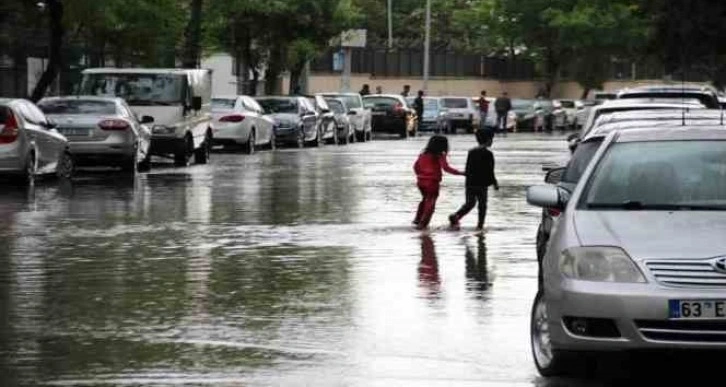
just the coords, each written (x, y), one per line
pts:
(285, 268)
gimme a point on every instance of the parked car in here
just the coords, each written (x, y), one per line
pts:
(533, 114)
(604, 95)
(460, 112)
(568, 177)
(30, 145)
(433, 118)
(239, 121)
(101, 131)
(326, 120)
(569, 109)
(295, 119)
(706, 95)
(584, 107)
(390, 114)
(345, 132)
(360, 117)
(178, 100)
(621, 274)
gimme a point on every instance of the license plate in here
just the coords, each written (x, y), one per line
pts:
(697, 309)
(75, 131)
(378, 113)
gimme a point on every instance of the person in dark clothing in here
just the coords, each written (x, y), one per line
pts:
(366, 90)
(502, 105)
(483, 110)
(418, 106)
(479, 176)
(406, 91)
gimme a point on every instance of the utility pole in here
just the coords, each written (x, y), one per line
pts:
(427, 47)
(390, 24)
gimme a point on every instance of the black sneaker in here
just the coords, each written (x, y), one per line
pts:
(453, 221)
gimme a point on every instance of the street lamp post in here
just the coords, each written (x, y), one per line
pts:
(427, 47)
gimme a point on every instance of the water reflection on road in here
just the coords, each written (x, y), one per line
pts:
(294, 267)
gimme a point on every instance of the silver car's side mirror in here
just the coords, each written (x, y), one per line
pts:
(547, 196)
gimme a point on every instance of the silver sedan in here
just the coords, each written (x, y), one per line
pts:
(638, 258)
(29, 144)
(101, 130)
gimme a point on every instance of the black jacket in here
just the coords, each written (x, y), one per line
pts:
(503, 104)
(480, 168)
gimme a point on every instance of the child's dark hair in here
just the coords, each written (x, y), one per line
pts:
(437, 145)
(484, 137)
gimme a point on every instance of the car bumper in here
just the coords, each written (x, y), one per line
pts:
(383, 124)
(100, 153)
(639, 311)
(166, 145)
(226, 134)
(287, 135)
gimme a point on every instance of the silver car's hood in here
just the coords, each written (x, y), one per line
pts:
(655, 234)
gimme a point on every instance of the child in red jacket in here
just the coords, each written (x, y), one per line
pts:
(428, 169)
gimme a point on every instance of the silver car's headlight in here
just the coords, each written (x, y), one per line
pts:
(600, 264)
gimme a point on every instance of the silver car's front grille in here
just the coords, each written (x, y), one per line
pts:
(691, 273)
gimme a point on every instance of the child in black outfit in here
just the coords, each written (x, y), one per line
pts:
(479, 176)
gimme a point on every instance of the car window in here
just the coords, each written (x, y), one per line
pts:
(657, 175)
(77, 106)
(223, 103)
(455, 103)
(336, 106)
(279, 105)
(376, 101)
(580, 160)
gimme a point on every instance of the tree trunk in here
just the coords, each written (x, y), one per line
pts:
(553, 72)
(192, 46)
(55, 41)
(274, 69)
(296, 78)
(585, 92)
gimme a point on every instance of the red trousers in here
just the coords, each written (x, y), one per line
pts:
(429, 192)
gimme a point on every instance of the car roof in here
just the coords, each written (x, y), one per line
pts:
(333, 93)
(683, 133)
(637, 102)
(83, 97)
(396, 96)
(279, 97)
(667, 88)
(132, 70)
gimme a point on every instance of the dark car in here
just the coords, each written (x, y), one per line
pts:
(390, 114)
(341, 115)
(296, 121)
(326, 120)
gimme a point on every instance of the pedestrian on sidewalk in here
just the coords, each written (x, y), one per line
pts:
(502, 105)
(479, 177)
(483, 110)
(428, 168)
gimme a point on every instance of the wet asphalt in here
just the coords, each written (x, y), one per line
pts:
(285, 268)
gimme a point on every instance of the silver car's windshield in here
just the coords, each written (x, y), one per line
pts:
(137, 89)
(660, 175)
(77, 106)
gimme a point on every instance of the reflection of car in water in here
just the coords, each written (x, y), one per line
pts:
(241, 121)
(101, 131)
(178, 100)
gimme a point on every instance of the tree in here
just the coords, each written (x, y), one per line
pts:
(192, 47)
(56, 31)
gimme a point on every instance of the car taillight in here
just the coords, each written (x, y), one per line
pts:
(10, 129)
(554, 212)
(232, 118)
(398, 108)
(114, 124)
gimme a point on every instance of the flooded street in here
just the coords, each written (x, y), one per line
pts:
(293, 267)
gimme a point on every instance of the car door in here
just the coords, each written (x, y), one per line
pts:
(49, 144)
(263, 125)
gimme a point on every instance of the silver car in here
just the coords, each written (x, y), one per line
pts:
(360, 117)
(638, 258)
(460, 112)
(29, 144)
(101, 131)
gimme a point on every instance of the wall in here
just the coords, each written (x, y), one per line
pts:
(223, 82)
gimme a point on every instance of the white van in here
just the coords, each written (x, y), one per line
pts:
(176, 102)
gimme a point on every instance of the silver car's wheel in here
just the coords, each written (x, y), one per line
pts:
(541, 344)
(549, 360)
(66, 166)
